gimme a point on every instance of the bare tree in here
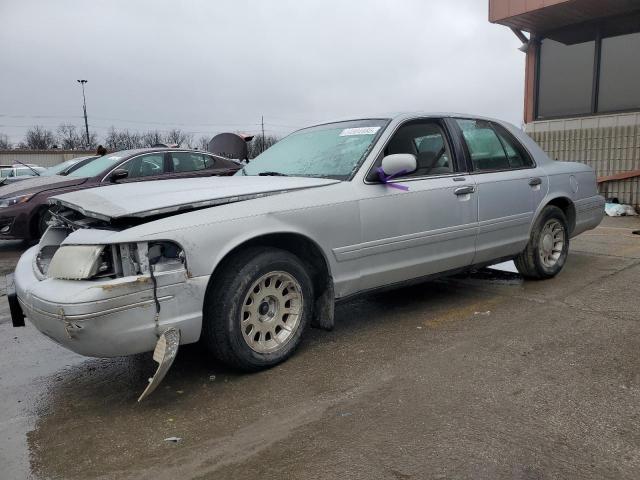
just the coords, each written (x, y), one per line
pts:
(203, 143)
(93, 141)
(122, 140)
(69, 138)
(38, 138)
(151, 138)
(259, 144)
(4, 142)
(177, 136)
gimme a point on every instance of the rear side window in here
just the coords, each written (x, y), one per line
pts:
(145, 165)
(189, 162)
(491, 147)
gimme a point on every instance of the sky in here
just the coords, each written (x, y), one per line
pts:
(213, 66)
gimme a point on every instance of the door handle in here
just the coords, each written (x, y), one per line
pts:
(535, 181)
(464, 190)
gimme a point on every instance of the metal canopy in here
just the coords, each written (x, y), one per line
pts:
(539, 16)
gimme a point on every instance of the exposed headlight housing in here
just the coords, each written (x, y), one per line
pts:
(76, 262)
(11, 201)
(84, 262)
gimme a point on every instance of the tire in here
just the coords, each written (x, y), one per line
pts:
(40, 224)
(548, 246)
(257, 308)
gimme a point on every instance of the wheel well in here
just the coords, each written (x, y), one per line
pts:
(308, 252)
(34, 221)
(569, 209)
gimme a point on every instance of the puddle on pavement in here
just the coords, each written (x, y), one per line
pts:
(636, 232)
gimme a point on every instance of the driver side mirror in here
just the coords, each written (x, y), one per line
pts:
(399, 164)
(118, 174)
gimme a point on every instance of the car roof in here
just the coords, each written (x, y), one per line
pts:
(138, 151)
(402, 116)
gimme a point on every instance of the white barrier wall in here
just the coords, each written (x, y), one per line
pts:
(44, 158)
(609, 143)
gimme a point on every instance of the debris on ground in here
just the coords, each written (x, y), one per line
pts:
(484, 314)
(173, 439)
(619, 210)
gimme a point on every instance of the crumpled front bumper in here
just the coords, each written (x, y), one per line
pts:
(110, 317)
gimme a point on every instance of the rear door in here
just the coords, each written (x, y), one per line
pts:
(508, 186)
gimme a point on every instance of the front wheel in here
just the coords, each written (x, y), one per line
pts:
(257, 308)
(42, 222)
(548, 246)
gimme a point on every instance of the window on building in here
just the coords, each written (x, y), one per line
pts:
(566, 78)
(619, 87)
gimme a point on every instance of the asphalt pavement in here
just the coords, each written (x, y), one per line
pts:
(483, 376)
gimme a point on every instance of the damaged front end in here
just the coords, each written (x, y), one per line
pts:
(104, 299)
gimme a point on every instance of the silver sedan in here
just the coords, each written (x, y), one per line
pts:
(246, 263)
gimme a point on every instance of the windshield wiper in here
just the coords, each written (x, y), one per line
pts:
(272, 174)
(29, 167)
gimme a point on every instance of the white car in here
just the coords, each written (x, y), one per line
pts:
(15, 173)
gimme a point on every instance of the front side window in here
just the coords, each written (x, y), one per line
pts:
(426, 141)
(333, 150)
(145, 165)
(566, 78)
(188, 161)
(491, 148)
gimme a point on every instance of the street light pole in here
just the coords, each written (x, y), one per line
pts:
(84, 107)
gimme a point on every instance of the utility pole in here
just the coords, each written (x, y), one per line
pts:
(84, 107)
(263, 141)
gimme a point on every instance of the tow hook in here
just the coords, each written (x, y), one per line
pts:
(164, 354)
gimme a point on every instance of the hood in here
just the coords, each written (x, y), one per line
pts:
(145, 199)
(38, 184)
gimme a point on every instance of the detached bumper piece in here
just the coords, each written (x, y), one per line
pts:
(164, 353)
(17, 315)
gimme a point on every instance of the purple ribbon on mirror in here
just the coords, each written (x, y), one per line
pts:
(387, 179)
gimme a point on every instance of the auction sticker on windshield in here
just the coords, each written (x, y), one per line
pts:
(359, 131)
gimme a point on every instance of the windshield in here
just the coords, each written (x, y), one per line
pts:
(55, 170)
(333, 151)
(97, 166)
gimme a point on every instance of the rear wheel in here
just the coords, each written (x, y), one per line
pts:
(257, 308)
(548, 246)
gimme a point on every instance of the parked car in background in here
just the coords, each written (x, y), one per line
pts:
(19, 172)
(247, 263)
(24, 206)
(67, 166)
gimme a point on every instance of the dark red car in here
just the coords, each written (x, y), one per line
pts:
(24, 205)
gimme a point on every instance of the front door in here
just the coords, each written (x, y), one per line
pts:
(427, 229)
